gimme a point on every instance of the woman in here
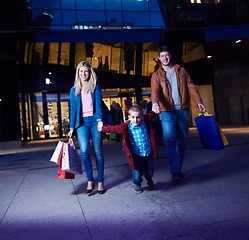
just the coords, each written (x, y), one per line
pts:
(86, 118)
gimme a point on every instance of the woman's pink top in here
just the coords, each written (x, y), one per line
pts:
(87, 104)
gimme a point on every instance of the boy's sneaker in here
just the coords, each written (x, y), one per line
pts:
(176, 177)
(138, 190)
(150, 183)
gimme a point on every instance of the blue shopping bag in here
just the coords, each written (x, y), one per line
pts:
(209, 131)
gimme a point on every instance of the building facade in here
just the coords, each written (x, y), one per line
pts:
(43, 41)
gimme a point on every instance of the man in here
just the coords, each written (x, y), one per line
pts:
(171, 87)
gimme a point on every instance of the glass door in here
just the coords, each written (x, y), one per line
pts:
(52, 128)
(38, 116)
(64, 105)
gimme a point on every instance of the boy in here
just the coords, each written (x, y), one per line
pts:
(138, 143)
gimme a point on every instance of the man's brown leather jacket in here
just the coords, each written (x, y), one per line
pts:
(160, 89)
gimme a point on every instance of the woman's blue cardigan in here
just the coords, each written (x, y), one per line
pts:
(76, 119)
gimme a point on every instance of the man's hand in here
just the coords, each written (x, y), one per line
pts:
(100, 125)
(156, 109)
(201, 107)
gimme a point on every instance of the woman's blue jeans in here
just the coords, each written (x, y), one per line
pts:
(175, 130)
(84, 132)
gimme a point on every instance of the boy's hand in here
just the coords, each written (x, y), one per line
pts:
(100, 125)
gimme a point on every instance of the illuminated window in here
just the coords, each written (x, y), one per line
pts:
(53, 53)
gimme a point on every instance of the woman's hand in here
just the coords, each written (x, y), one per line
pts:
(70, 133)
(100, 125)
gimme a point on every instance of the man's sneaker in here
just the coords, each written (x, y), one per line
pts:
(150, 183)
(176, 177)
(138, 190)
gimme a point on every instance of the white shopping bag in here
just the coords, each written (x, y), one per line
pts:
(57, 154)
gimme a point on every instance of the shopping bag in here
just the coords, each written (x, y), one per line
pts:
(71, 158)
(210, 133)
(63, 174)
(57, 154)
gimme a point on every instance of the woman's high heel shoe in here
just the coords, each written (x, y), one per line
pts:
(101, 189)
(89, 190)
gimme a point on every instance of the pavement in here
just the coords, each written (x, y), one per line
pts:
(211, 203)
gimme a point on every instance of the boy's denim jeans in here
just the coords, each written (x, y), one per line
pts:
(175, 130)
(87, 130)
(143, 166)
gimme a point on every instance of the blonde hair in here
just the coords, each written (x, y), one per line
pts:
(90, 85)
(136, 109)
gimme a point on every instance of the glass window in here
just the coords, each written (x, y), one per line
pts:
(153, 5)
(156, 19)
(90, 4)
(65, 47)
(137, 18)
(28, 52)
(115, 59)
(113, 4)
(91, 18)
(56, 4)
(80, 53)
(38, 53)
(68, 17)
(53, 53)
(56, 17)
(68, 4)
(135, 5)
(44, 4)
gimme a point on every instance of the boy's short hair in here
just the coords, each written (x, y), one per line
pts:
(136, 109)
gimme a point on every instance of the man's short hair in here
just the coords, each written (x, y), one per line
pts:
(164, 48)
(136, 109)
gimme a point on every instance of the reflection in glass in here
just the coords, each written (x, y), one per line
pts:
(92, 18)
(137, 18)
(114, 18)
